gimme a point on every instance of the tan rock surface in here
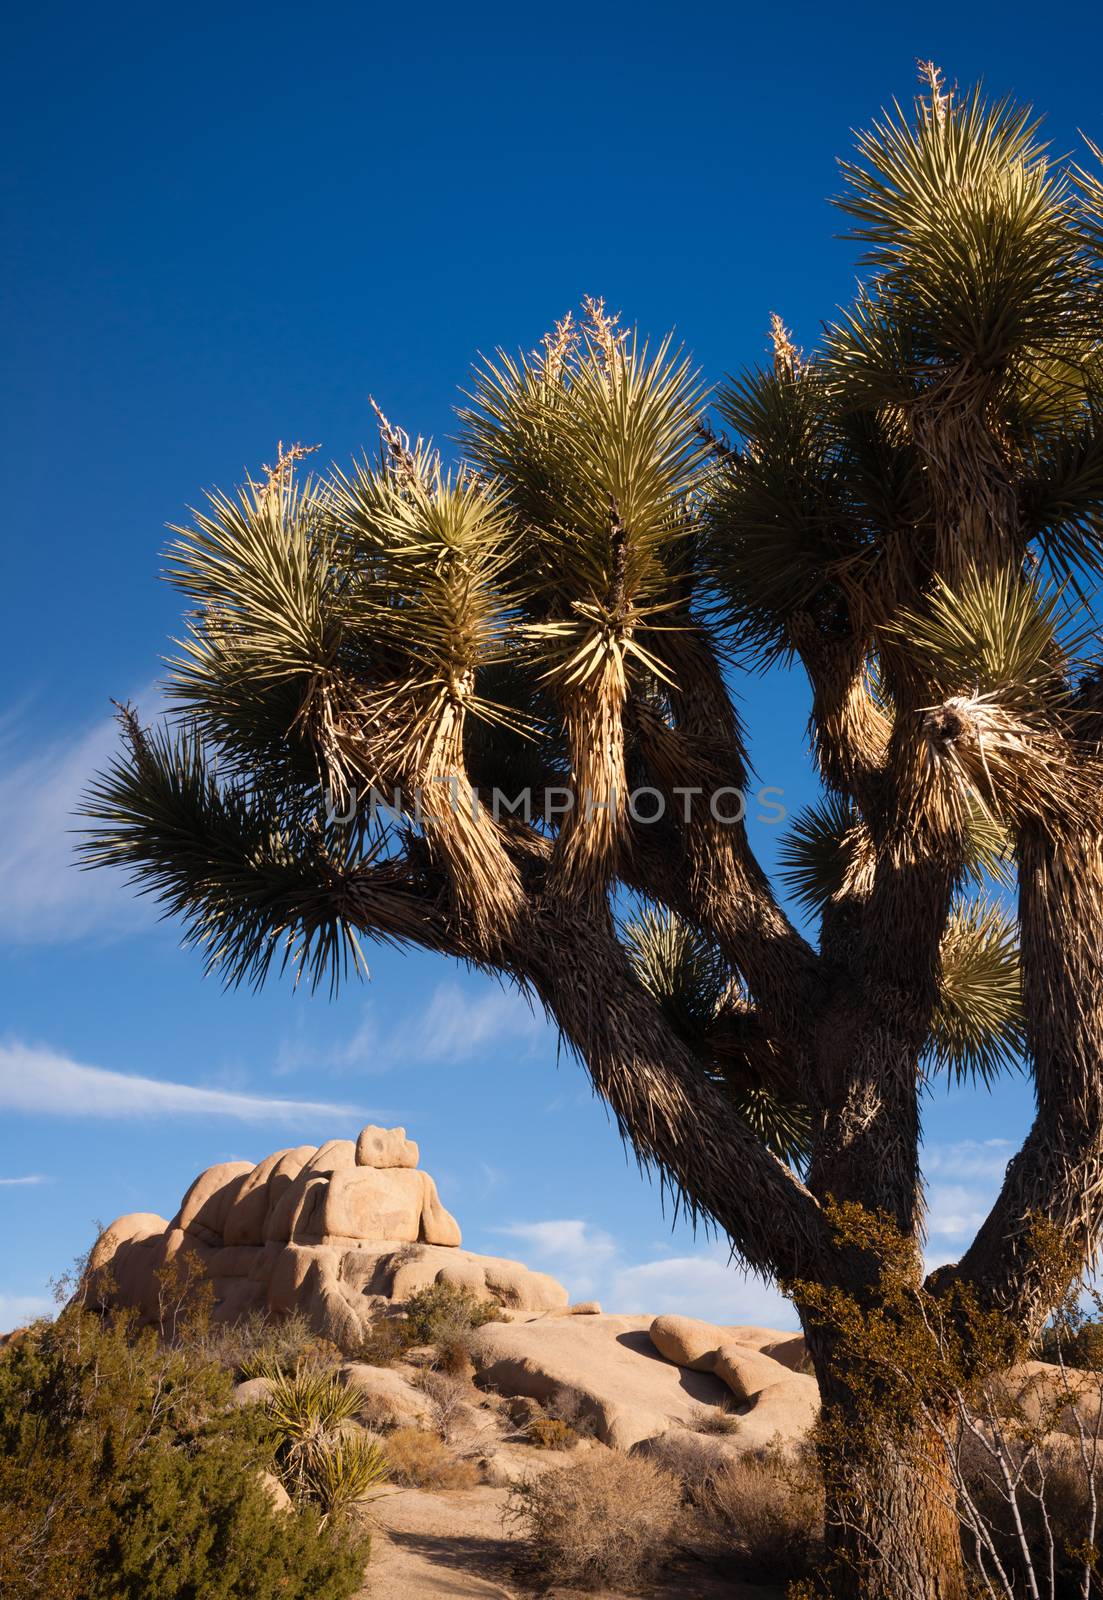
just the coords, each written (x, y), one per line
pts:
(385, 1147)
(770, 1397)
(336, 1232)
(607, 1362)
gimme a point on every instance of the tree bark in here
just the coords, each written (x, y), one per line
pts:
(891, 1525)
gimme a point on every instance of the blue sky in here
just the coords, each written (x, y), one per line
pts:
(227, 227)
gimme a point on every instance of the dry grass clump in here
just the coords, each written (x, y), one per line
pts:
(765, 1509)
(607, 1520)
(713, 1419)
(693, 1458)
(257, 1344)
(422, 1460)
(551, 1433)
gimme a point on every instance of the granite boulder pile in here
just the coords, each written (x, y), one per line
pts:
(337, 1232)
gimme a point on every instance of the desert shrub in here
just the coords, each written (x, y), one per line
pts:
(446, 1400)
(713, 1419)
(440, 1315)
(551, 1433)
(317, 1459)
(423, 1461)
(255, 1345)
(126, 1472)
(694, 1458)
(1052, 1506)
(767, 1509)
(567, 1405)
(384, 1343)
(443, 1310)
(605, 1521)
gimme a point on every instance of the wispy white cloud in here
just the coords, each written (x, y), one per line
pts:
(569, 1248)
(22, 1183)
(457, 1024)
(454, 1026)
(969, 1159)
(44, 897)
(954, 1210)
(36, 1080)
(18, 1309)
(705, 1284)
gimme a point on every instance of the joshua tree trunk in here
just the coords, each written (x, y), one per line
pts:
(892, 1530)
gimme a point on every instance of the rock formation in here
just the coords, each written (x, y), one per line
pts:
(336, 1233)
(636, 1377)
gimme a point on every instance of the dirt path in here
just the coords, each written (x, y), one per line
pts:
(453, 1546)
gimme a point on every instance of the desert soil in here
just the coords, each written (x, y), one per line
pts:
(453, 1545)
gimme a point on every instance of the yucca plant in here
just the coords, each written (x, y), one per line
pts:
(303, 1410)
(911, 515)
(344, 1473)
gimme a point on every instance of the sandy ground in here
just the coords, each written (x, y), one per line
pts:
(452, 1545)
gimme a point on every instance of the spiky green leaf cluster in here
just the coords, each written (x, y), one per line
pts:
(977, 1030)
(983, 311)
(973, 235)
(997, 634)
(692, 984)
(597, 446)
(250, 871)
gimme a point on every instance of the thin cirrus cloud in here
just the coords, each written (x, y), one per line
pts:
(18, 1309)
(455, 1026)
(23, 1183)
(716, 1288)
(41, 1082)
(44, 896)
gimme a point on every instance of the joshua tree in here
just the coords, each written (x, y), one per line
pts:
(908, 516)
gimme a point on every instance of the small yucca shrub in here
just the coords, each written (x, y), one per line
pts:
(306, 1413)
(344, 1471)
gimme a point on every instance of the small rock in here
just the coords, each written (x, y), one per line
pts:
(253, 1392)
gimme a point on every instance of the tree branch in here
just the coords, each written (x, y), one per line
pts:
(1057, 1177)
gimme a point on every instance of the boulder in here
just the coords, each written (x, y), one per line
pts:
(607, 1364)
(277, 1494)
(252, 1392)
(389, 1399)
(335, 1232)
(204, 1208)
(124, 1230)
(385, 1147)
(771, 1398)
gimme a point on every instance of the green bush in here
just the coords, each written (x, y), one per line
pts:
(384, 1343)
(126, 1472)
(440, 1315)
(438, 1312)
